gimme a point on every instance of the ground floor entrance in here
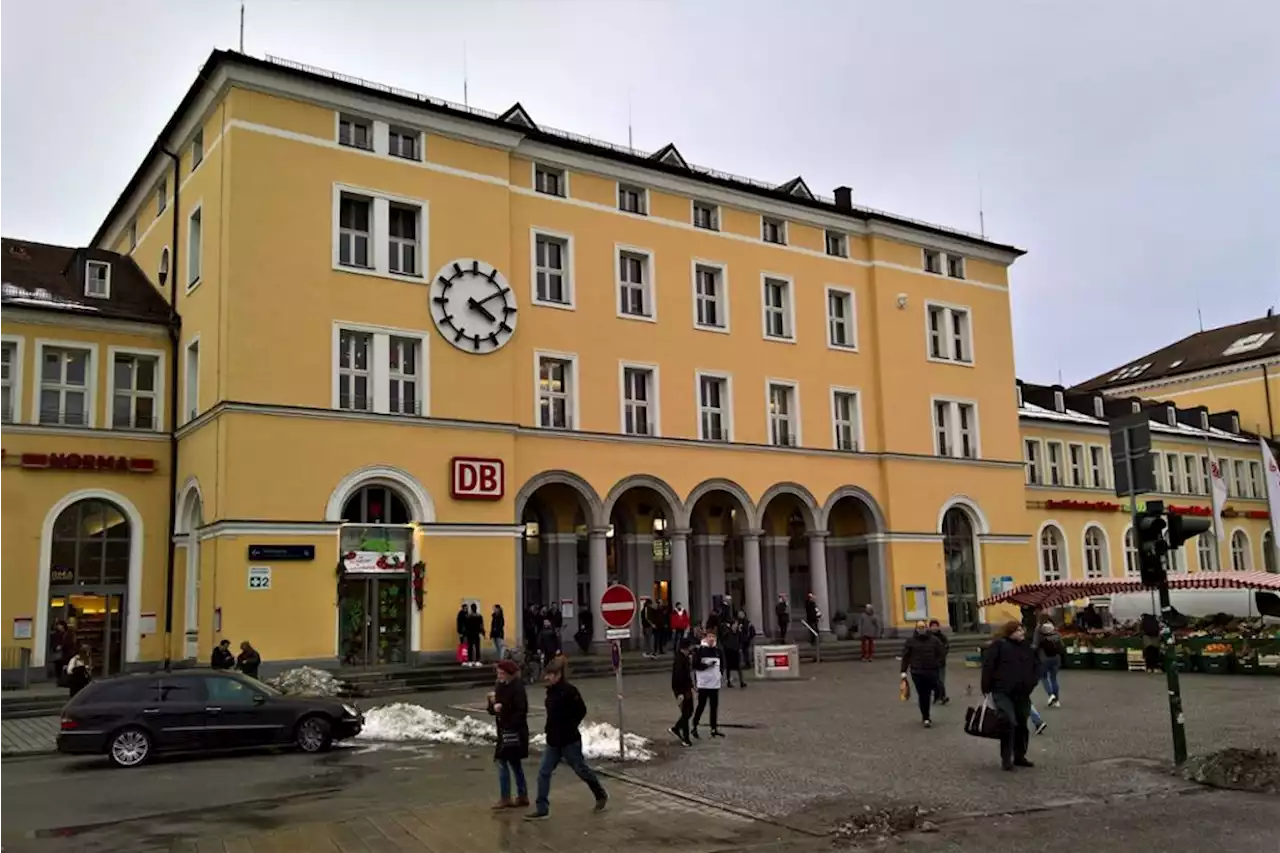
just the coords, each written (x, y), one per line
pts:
(373, 619)
(97, 621)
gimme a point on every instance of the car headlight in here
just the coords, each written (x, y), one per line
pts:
(351, 711)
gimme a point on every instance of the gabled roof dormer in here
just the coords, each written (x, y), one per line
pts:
(796, 187)
(517, 115)
(670, 155)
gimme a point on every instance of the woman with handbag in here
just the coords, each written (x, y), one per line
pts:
(509, 705)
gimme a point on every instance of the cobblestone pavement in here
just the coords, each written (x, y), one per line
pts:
(28, 736)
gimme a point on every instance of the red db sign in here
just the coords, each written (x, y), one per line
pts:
(477, 479)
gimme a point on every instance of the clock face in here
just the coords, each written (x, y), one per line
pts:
(473, 306)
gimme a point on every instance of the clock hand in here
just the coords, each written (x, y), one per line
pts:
(471, 302)
(502, 292)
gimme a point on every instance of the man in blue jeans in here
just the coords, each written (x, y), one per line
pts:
(565, 712)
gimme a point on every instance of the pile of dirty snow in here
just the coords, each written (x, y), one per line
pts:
(401, 722)
(306, 681)
(1238, 769)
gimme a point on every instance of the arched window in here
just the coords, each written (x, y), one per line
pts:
(1240, 561)
(375, 505)
(90, 545)
(1269, 552)
(960, 563)
(1130, 555)
(1052, 567)
(1207, 551)
(1095, 553)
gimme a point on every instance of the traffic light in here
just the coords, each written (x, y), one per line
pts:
(1183, 527)
(1152, 546)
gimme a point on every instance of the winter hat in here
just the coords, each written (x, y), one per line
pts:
(509, 667)
(1047, 628)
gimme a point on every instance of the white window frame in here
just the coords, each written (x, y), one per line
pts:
(419, 143)
(1173, 472)
(856, 423)
(560, 172)
(399, 242)
(1077, 474)
(1132, 561)
(947, 258)
(354, 373)
(380, 367)
(726, 414)
(1055, 468)
(1157, 464)
(197, 149)
(354, 119)
(160, 379)
(104, 265)
(650, 283)
(793, 417)
(926, 254)
(15, 376)
(162, 196)
(1033, 462)
(722, 298)
(380, 233)
(90, 379)
(789, 309)
(1206, 477)
(370, 252)
(953, 427)
(190, 390)
(1207, 546)
(782, 230)
(1104, 558)
(842, 243)
(573, 417)
(1190, 470)
(694, 204)
(1060, 548)
(566, 274)
(642, 198)
(1099, 477)
(1239, 473)
(653, 404)
(1256, 489)
(948, 312)
(1244, 553)
(851, 321)
(195, 258)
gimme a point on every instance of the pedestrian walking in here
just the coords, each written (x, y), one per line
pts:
(708, 669)
(585, 631)
(509, 705)
(727, 640)
(565, 713)
(662, 633)
(473, 630)
(869, 629)
(548, 643)
(940, 695)
(1050, 650)
(812, 618)
(79, 671)
(679, 625)
(782, 615)
(222, 658)
(922, 656)
(682, 686)
(648, 620)
(1010, 673)
(62, 648)
(746, 637)
(1037, 722)
(248, 661)
(498, 631)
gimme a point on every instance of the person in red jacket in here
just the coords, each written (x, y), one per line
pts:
(679, 625)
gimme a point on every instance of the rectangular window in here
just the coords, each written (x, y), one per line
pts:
(955, 426)
(355, 133)
(950, 335)
(64, 386)
(97, 279)
(403, 143)
(1256, 489)
(191, 390)
(1157, 466)
(777, 308)
(955, 266)
(1206, 479)
(551, 270)
(841, 321)
(1097, 467)
(638, 399)
(773, 230)
(932, 261)
(783, 415)
(134, 383)
(1173, 476)
(355, 392)
(713, 408)
(403, 241)
(1075, 459)
(403, 375)
(845, 419)
(549, 181)
(1055, 463)
(162, 196)
(1031, 454)
(634, 282)
(197, 149)
(632, 199)
(354, 227)
(837, 244)
(709, 296)
(9, 389)
(555, 393)
(706, 216)
(1189, 474)
(1241, 484)
(193, 249)
(1224, 466)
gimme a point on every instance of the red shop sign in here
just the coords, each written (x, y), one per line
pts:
(87, 462)
(476, 479)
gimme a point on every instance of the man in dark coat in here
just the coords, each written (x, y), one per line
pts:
(222, 657)
(782, 614)
(923, 655)
(460, 622)
(548, 642)
(565, 713)
(940, 695)
(1010, 672)
(682, 688)
(474, 626)
(248, 661)
(812, 616)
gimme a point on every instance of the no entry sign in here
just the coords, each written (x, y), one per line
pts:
(618, 606)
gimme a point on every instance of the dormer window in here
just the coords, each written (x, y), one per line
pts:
(97, 279)
(1235, 424)
(1099, 409)
(1059, 405)
(1135, 407)
(1019, 388)
(1204, 420)
(1171, 415)
(1248, 343)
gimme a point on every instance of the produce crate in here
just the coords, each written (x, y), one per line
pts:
(1267, 664)
(973, 661)
(1108, 657)
(1078, 657)
(1135, 660)
(1217, 663)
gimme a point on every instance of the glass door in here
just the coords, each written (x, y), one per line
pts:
(373, 620)
(392, 622)
(97, 622)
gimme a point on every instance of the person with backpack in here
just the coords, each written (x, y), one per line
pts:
(1050, 650)
(565, 713)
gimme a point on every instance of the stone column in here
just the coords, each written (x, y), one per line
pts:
(818, 576)
(751, 578)
(711, 548)
(639, 548)
(680, 567)
(599, 574)
(777, 568)
(561, 565)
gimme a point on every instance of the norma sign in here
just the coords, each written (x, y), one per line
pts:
(85, 462)
(618, 607)
(280, 553)
(259, 577)
(477, 479)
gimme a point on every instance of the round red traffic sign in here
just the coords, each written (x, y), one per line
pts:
(618, 606)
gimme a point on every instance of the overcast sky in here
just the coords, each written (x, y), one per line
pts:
(1132, 148)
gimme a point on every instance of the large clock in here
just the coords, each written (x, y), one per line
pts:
(473, 306)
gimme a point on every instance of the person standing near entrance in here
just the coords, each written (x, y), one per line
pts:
(62, 648)
(662, 633)
(708, 668)
(509, 705)
(1009, 675)
(746, 636)
(869, 628)
(248, 661)
(222, 657)
(782, 614)
(565, 713)
(923, 656)
(812, 618)
(460, 622)
(79, 671)
(682, 687)
(647, 620)
(679, 625)
(498, 631)
(935, 629)
(474, 628)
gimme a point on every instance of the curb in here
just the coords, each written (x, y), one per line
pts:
(25, 753)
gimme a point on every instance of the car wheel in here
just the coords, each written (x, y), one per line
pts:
(314, 735)
(129, 748)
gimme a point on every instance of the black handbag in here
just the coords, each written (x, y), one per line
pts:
(984, 720)
(510, 744)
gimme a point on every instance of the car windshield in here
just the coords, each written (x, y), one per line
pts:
(260, 686)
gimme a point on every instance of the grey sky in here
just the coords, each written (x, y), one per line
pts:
(1133, 148)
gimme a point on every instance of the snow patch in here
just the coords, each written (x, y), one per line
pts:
(306, 681)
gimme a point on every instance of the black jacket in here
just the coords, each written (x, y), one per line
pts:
(781, 611)
(498, 626)
(565, 712)
(1050, 646)
(248, 662)
(946, 644)
(1010, 668)
(222, 658)
(811, 612)
(923, 653)
(682, 675)
(548, 643)
(461, 622)
(474, 626)
(514, 717)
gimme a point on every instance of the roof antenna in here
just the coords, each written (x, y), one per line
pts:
(465, 101)
(629, 142)
(1059, 374)
(982, 220)
(1199, 318)
(242, 26)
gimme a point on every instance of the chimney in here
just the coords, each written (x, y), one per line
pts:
(844, 197)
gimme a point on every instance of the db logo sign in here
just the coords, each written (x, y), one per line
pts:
(477, 479)
(777, 662)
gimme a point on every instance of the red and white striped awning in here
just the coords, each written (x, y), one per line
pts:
(1054, 593)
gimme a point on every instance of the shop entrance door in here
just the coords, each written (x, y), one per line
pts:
(97, 621)
(373, 619)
